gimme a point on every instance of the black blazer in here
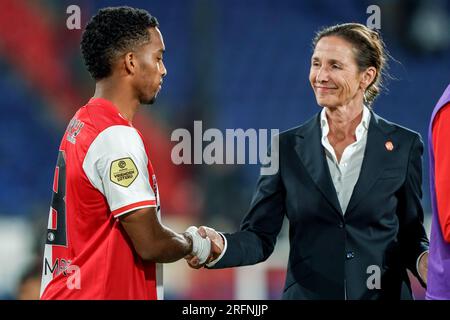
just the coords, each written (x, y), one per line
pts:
(330, 252)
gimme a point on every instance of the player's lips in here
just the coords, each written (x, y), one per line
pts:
(322, 89)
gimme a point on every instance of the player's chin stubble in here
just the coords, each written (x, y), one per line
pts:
(152, 100)
(145, 100)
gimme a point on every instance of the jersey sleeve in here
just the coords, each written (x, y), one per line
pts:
(441, 147)
(117, 165)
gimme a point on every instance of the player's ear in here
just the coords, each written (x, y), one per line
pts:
(130, 63)
(368, 76)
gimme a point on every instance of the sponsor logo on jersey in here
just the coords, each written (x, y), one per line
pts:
(59, 266)
(155, 184)
(155, 190)
(123, 172)
(73, 129)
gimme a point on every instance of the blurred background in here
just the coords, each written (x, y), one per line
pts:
(231, 64)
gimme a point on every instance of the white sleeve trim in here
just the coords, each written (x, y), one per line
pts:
(135, 208)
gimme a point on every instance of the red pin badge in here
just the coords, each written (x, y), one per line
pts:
(389, 145)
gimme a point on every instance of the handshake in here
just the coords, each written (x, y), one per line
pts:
(207, 246)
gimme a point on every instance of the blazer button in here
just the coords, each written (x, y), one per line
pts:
(341, 225)
(350, 255)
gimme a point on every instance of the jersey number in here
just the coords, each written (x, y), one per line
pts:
(58, 236)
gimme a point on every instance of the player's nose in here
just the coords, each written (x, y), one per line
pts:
(163, 70)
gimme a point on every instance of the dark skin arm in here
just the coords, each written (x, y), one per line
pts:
(152, 240)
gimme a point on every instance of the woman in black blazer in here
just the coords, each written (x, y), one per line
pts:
(349, 183)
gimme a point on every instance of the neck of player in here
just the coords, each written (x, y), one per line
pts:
(124, 100)
(344, 119)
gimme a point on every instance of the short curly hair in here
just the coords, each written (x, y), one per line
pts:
(111, 32)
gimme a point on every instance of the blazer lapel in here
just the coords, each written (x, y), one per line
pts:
(375, 158)
(310, 151)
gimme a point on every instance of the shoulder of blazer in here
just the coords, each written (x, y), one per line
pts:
(391, 128)
(303, 129)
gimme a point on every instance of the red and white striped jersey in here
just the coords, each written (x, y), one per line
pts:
(103, 171)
